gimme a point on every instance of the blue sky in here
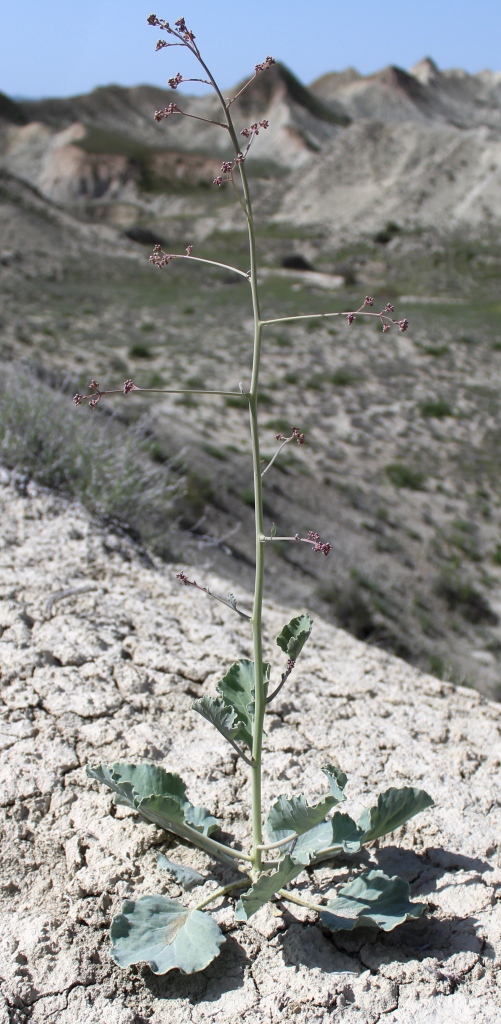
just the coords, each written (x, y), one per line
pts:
(60, 48)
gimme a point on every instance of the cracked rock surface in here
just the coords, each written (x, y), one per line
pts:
(109, 671)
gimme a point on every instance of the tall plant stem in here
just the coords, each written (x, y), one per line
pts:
(256, 620)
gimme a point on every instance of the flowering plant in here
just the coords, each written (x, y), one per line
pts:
(299, 835)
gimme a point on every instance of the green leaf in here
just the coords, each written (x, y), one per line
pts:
(237, 691)
(222, 717)
(340, 830)
(312, 843)
(164, 934)
(289, 815)
(185, 876)
(294, 636)
(337, 781)
(372, 899)
(158, 795)
(266, 886)
(394, 807)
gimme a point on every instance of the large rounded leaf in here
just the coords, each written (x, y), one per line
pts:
(165, 935)
(372, 899)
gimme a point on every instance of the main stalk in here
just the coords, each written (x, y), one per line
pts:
(257, 608)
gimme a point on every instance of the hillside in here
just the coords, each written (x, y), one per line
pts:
(102, 656)
(386, 185)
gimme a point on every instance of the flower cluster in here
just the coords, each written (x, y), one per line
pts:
(383, 315)
(318, 545)
(183, 32)
(295, 436)
(159, 258)
(265, 65)
(93, 399)
(182, 577)
(253, 129)
(172, 108)
(227, 168)
(174, 82)
(129, 386)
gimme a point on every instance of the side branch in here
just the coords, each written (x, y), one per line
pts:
(229, 600)
(350, 315)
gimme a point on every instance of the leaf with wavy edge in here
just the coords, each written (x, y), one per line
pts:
(372, 899)
(289, 815)
(294, 636)
(266, 886)
(155, 793)
(394, 807)
(222, 717)
(183, 875)
(340, 830)
(237, 690)
(165, 935)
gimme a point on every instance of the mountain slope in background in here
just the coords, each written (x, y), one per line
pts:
(421, 148)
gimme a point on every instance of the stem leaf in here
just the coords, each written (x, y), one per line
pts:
(164, 934)
(183, 875)
(222, 717)
(372, 899)
(158, 795)
(294, 636)
(289, 815)
(340, 830)
(237, 689)
(394, 807)
(266, 886)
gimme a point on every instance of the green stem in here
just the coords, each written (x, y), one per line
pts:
(284, 895)
(211, 846)
(221, 892)
(260, 695)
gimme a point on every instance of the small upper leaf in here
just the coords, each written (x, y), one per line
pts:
(185, 876)
(372, 899)
(337, 781)
(266, 886)
(237, 691)
(394, 807)
(294, 636)
(290, 815)
(158, 795)
(164, 934)
(215, 711)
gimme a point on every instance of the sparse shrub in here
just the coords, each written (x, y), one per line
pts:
(436, 409)
(140, 351)
(461, 595)
(107, 467)
(404, 476)
(437, 350)
(165, 932)
(496, 557)
(342, 378)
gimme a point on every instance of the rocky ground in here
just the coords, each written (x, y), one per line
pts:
(108, 671)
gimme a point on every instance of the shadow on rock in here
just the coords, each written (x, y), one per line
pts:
(225, 974)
